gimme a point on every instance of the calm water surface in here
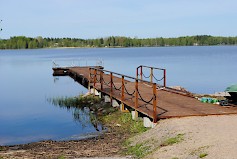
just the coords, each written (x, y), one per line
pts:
(26, 82)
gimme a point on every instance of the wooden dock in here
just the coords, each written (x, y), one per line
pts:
(146, 97)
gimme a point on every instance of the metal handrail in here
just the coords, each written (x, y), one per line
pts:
(151, 67)
(135, 95)
(151, 76)
(115, 73)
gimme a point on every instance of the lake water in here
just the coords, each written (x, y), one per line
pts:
(26, 82)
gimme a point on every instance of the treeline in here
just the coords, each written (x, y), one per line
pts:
(22, 42)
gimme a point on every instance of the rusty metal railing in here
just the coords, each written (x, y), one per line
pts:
(140, 72)
(97, 76)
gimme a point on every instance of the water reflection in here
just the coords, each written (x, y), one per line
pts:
(55, 79)
(81, 113)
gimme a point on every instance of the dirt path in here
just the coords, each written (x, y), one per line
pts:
(214, 137)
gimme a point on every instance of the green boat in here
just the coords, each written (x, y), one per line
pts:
(232, 90)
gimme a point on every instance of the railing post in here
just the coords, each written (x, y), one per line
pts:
(141, 72)
(89, 79)
(101, 80)
(136, 93)
(137, 72)
(123, 85)
(151, 75)
(111, 87)
(164, 77)
(94, 81)
(154, 103)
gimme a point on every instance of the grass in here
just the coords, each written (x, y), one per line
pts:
(1, 149)
(80, 101)
(202, 155)
(61, 157)
(173, 140)
(94, 103)
(200, 152)
(139, 150)
(131, 127)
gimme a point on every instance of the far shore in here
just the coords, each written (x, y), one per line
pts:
(114, 47)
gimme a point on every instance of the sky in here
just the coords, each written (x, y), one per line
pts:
(132, 18)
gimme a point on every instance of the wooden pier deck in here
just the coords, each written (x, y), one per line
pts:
(148, 98)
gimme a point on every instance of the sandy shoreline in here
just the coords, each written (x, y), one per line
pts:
(214, 137)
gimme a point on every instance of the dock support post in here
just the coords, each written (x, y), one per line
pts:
(123, 109)
(154, 103)
(107, 99)
(147, 122)
(115, 103)
(134, 115)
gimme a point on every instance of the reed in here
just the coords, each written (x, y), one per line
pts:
(85, 109)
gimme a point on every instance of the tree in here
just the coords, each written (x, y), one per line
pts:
(22, 42)
(40, 41)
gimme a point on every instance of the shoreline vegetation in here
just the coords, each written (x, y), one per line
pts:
(111, 143)
(171, 138)
(22, 42)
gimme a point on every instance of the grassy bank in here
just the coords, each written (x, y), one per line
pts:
(124, 126)
(117, 122)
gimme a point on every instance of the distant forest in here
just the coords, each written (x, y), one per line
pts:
(22, 42)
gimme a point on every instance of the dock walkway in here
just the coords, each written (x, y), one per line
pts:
(148, 98)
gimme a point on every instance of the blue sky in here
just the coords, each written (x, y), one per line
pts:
(133, 18)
